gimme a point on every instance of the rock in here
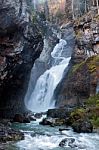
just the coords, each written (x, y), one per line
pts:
(32, 118)
(82, 126)
(8, 134)
(21, 119)
(38, 115)
(47, 121)
(53, 121)
(26, 120)
(29, 116)
(18, 118)
(58, 113)
(6, 122)
(64, 129)
(74, 89)
(20, 44)
(67, 142)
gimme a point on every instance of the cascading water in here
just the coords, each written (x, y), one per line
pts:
(41, 97)
(39, 137)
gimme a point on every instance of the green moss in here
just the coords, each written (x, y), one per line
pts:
(93, 101)
(95, 122)
(78, 113)
(92, 105)
(90, 111)
(75, 68)
(92, 62)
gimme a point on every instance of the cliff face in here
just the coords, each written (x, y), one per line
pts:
(79, 84)
(20, 44)
(81, 81)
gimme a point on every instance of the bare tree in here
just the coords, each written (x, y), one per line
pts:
(97, 1)
(46, 9)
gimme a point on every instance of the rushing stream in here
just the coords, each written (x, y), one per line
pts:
(38, 137)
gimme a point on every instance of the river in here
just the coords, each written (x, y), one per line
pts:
(39, 137)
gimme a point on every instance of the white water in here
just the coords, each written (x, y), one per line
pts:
(39, 137)
(41, 97)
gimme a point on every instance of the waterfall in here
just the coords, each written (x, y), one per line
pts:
(41, 97)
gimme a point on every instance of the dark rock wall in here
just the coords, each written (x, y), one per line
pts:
(20, 44)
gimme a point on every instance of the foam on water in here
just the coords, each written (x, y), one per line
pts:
(51, 139)
(38, 137)
(39, 142)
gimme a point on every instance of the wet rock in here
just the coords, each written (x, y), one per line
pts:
(53, 121)
(29, 116)
(21, 119)
(82, 126)
(67, 142)
(63, 129)
(32, 118)
(47, 121)
(26, 120)
(58, 113)
(38, 115)
(18, 118)
(8, 134)
(6, 122)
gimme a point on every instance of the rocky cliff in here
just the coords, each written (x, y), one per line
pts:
(81, 81)
(20, 44)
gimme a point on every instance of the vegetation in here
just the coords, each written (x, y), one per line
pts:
(78, 113)
(93, 101)
(90, 111)
(92, 62)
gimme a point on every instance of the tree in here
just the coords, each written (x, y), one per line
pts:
(97, 1)
(46, 9)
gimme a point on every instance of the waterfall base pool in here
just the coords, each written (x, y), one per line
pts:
(38, 137)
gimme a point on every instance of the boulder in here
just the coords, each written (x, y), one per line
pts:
(63, 129)
(18, 118)
(32, 118)
(82, 126)
(58, 113)
(8, 134)
(38, 115)
(68, 142)
(21, 119)
(53, 121)
(47, 121)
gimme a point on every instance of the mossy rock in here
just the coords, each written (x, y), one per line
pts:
(77, 114)
(93, 101)
(82, 126)
(95, 122)
(91, 64)
(92, 111)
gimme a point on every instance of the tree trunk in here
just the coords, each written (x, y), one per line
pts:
(97, 6)
(73, 9)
